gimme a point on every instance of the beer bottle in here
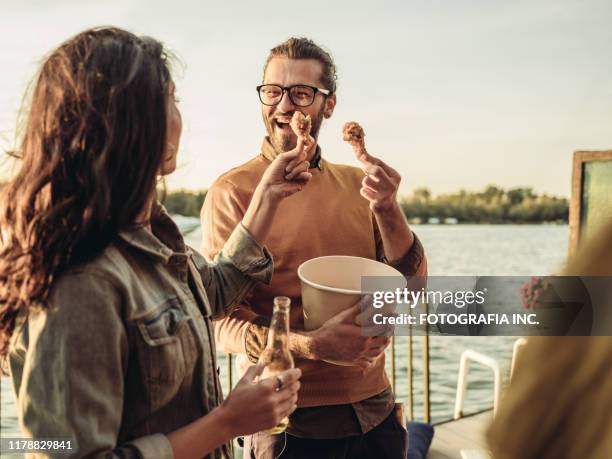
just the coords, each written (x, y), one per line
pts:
(276, 356)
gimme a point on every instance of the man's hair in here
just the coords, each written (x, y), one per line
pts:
(304, 48)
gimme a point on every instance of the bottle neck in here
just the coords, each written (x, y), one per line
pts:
(279, 328)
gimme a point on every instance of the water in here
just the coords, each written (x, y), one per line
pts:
(451, 250)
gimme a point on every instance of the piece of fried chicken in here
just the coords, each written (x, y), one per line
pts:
(301, 124)
(354, 134)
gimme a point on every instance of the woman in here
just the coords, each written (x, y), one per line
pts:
(558, 404)
(105, 313)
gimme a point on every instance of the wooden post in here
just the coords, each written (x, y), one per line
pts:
(576, 209)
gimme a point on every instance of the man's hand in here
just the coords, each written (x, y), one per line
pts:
(340, 339)
(380, 184)
(379, 187)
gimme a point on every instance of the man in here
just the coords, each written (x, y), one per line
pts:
(344, 411)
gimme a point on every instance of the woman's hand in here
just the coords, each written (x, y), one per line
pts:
(249, 408)
(252, 407)
(288, 173)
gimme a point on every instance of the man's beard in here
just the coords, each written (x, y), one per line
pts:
(286, 142)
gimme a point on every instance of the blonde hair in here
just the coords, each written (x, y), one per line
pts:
(304, 48)
(559, 382)
(594, 256)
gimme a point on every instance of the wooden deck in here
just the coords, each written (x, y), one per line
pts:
(464, 434)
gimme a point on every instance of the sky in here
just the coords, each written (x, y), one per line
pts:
(451, 93)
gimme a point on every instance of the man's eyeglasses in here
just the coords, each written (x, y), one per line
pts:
(300, 95)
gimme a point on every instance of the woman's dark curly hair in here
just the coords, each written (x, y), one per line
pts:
(92, 144)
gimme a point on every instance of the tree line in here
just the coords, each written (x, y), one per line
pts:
(182, 202)
(492, 205)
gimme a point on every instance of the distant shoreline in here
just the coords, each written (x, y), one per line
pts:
(192, 222)
(492, 206)
(542, 223)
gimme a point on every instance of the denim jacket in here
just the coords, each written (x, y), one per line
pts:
(126, 353)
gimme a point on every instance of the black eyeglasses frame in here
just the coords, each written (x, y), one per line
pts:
(287, 89)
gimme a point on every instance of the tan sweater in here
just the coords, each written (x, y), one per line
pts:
(328, 217)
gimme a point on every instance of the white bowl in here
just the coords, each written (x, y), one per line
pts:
(332, 284)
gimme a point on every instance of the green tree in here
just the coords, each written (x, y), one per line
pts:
(492, 205)
(182, 202)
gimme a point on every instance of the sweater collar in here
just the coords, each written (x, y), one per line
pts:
(268, 152)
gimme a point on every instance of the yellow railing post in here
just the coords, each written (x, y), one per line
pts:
(229, 371)
(230, 375)
(410, 386)
(426, 379)
(393, 363)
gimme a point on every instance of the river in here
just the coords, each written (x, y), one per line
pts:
(470, 250)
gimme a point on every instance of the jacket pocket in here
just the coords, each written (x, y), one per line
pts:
(166, 348)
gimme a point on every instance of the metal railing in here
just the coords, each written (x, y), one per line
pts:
(472, 356)
(410, 374)
(516, 350)
(466, 357)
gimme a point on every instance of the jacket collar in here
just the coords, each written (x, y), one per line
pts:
(165, 241)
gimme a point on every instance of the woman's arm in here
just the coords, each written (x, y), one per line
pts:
(287, 175)
(248, 408)
(71, 382)
(243, 260)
